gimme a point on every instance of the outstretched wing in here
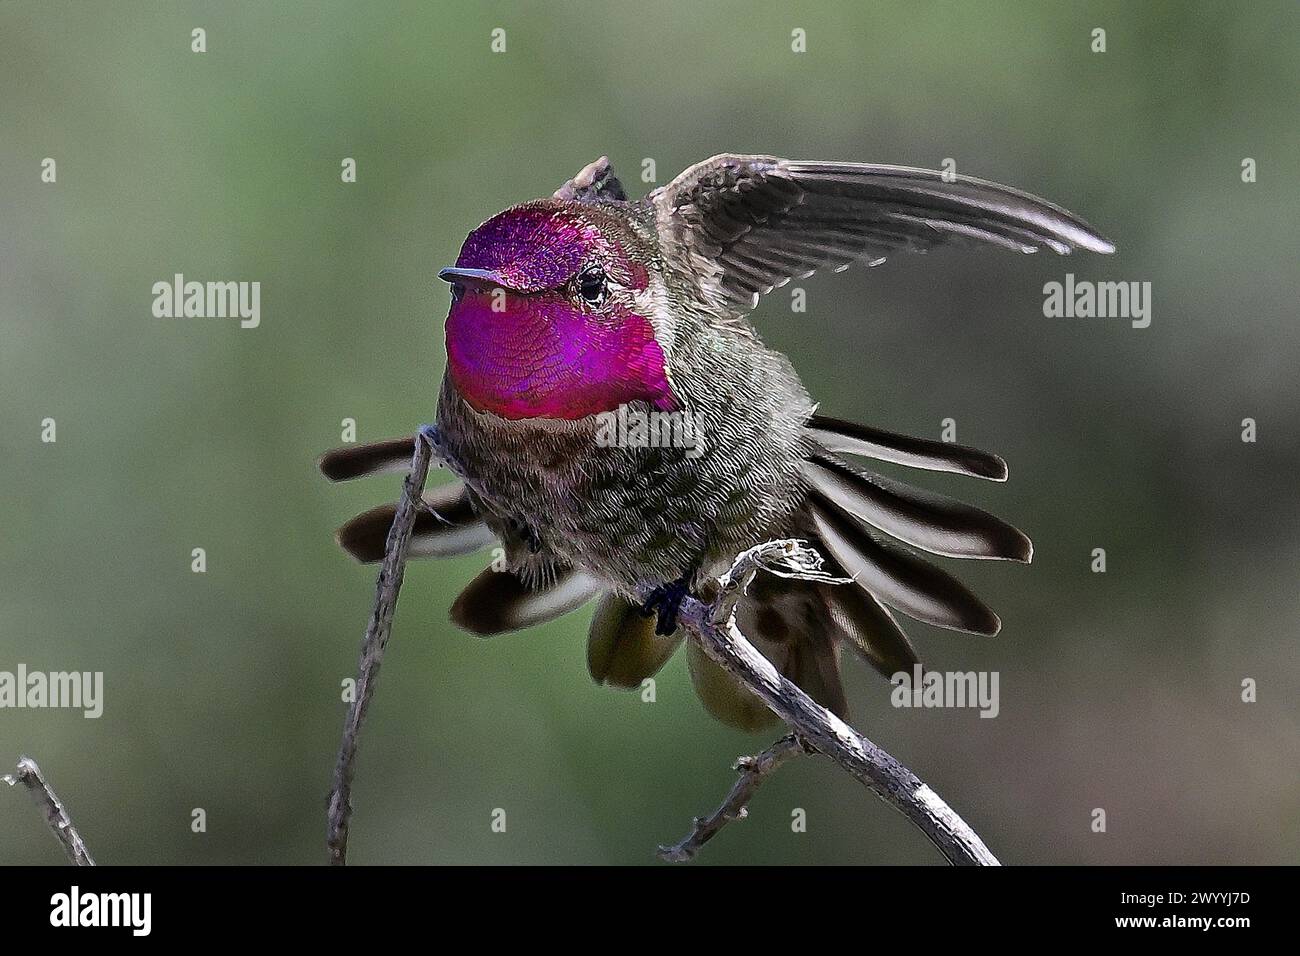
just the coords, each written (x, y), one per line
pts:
(748, 224)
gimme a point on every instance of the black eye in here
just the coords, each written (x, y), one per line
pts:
(457, 290)
(592, 286)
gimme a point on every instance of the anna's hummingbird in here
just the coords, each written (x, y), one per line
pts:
(575, 313)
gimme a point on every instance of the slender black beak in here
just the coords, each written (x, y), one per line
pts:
(471, 276)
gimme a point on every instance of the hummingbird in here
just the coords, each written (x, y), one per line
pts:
(570, 309)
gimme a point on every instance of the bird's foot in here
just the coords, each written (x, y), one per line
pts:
(666, 601)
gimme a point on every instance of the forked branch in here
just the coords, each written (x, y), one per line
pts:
(736, 806)
(713, 627)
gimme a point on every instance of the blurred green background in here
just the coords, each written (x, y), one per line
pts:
(1118, 690)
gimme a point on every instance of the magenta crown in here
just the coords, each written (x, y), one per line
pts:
(533, 247)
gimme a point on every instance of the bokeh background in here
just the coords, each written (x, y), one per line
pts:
(1118, 690)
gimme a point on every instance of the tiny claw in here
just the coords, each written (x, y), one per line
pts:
(666, 601)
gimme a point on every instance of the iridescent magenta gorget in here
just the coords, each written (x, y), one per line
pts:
(521, 344)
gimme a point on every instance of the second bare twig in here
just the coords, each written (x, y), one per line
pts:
(753, 770)
(30, 776)
(713, 628)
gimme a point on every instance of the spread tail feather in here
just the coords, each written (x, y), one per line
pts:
(447, 527)
(375, 458)
(722, 697)
(897, 577)
(499, 601)
(836, 435)
(868, 627)
(622, 647)
(920, 518)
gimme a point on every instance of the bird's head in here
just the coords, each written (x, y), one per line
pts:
(546, 315)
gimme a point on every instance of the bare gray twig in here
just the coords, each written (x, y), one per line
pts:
(713, 627)
(736, 806)
(60, 824)
(372, 646)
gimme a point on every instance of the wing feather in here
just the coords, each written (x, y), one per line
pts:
(763, 221)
